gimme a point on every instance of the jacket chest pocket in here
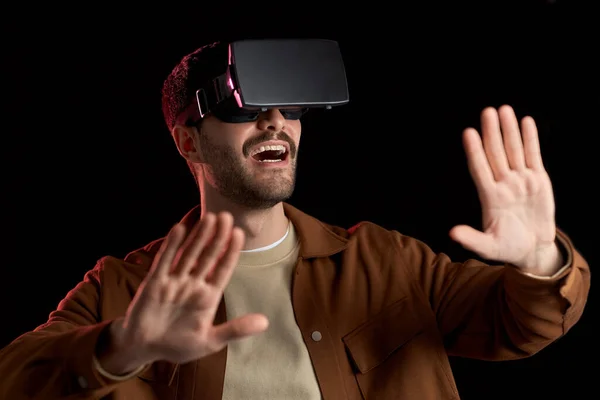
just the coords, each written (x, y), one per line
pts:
(396, 355)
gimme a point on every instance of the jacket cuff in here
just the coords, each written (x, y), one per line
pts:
(566, 250)
(81, 361)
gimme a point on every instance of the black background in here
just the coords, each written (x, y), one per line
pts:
(90, 169)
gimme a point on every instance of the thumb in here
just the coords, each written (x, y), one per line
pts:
(474, 240)
(240, 328)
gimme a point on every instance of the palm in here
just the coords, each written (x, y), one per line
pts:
(514, 189)
(178, 323)
(174, 309)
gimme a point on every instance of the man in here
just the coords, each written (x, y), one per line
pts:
(248, 297)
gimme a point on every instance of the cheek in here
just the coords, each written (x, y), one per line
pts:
(295, 129)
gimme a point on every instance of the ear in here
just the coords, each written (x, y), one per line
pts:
(185, 139)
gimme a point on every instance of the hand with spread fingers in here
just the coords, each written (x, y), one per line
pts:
(171, 317)
(515, 192)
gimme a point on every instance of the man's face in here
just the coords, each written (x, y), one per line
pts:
(251, 163)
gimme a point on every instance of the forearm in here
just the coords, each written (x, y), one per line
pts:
(503, 316)
(500, 312)
(52, 363)
(534, 310)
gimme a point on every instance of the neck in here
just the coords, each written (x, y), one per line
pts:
(261, 227)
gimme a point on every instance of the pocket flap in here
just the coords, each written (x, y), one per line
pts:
(374, 341)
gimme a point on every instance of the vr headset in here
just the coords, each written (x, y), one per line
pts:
(292, 75)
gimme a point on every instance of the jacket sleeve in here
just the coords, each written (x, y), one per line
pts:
(54, 361)
(496, 312)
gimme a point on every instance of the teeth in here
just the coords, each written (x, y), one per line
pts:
(276, 147)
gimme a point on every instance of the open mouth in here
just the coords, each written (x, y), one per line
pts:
(270, 153)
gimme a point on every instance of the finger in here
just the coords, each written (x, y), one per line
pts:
(475, 241)
(513, 144)
(492, 143)
(239, 328)
(477, 162)
(198, 238)
(211, 252)
(222, 272)
(167, 252)
(531, 144)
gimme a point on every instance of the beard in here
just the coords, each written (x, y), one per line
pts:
(234, 180)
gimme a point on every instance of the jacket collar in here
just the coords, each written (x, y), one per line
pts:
(317, 239)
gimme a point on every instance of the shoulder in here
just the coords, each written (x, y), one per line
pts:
(135, 264)
(367, 237)
(373, 234)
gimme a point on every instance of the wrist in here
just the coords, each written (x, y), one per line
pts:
(543, 262)
(120, 355)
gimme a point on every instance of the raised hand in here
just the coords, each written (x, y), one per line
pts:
(515, 192)
(172, 314)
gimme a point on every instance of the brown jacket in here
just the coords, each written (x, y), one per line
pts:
(388, 308)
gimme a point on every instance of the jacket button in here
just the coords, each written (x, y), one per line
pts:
(316, 336)
(83, 383)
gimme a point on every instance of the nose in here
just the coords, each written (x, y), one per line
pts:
(271, 119)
